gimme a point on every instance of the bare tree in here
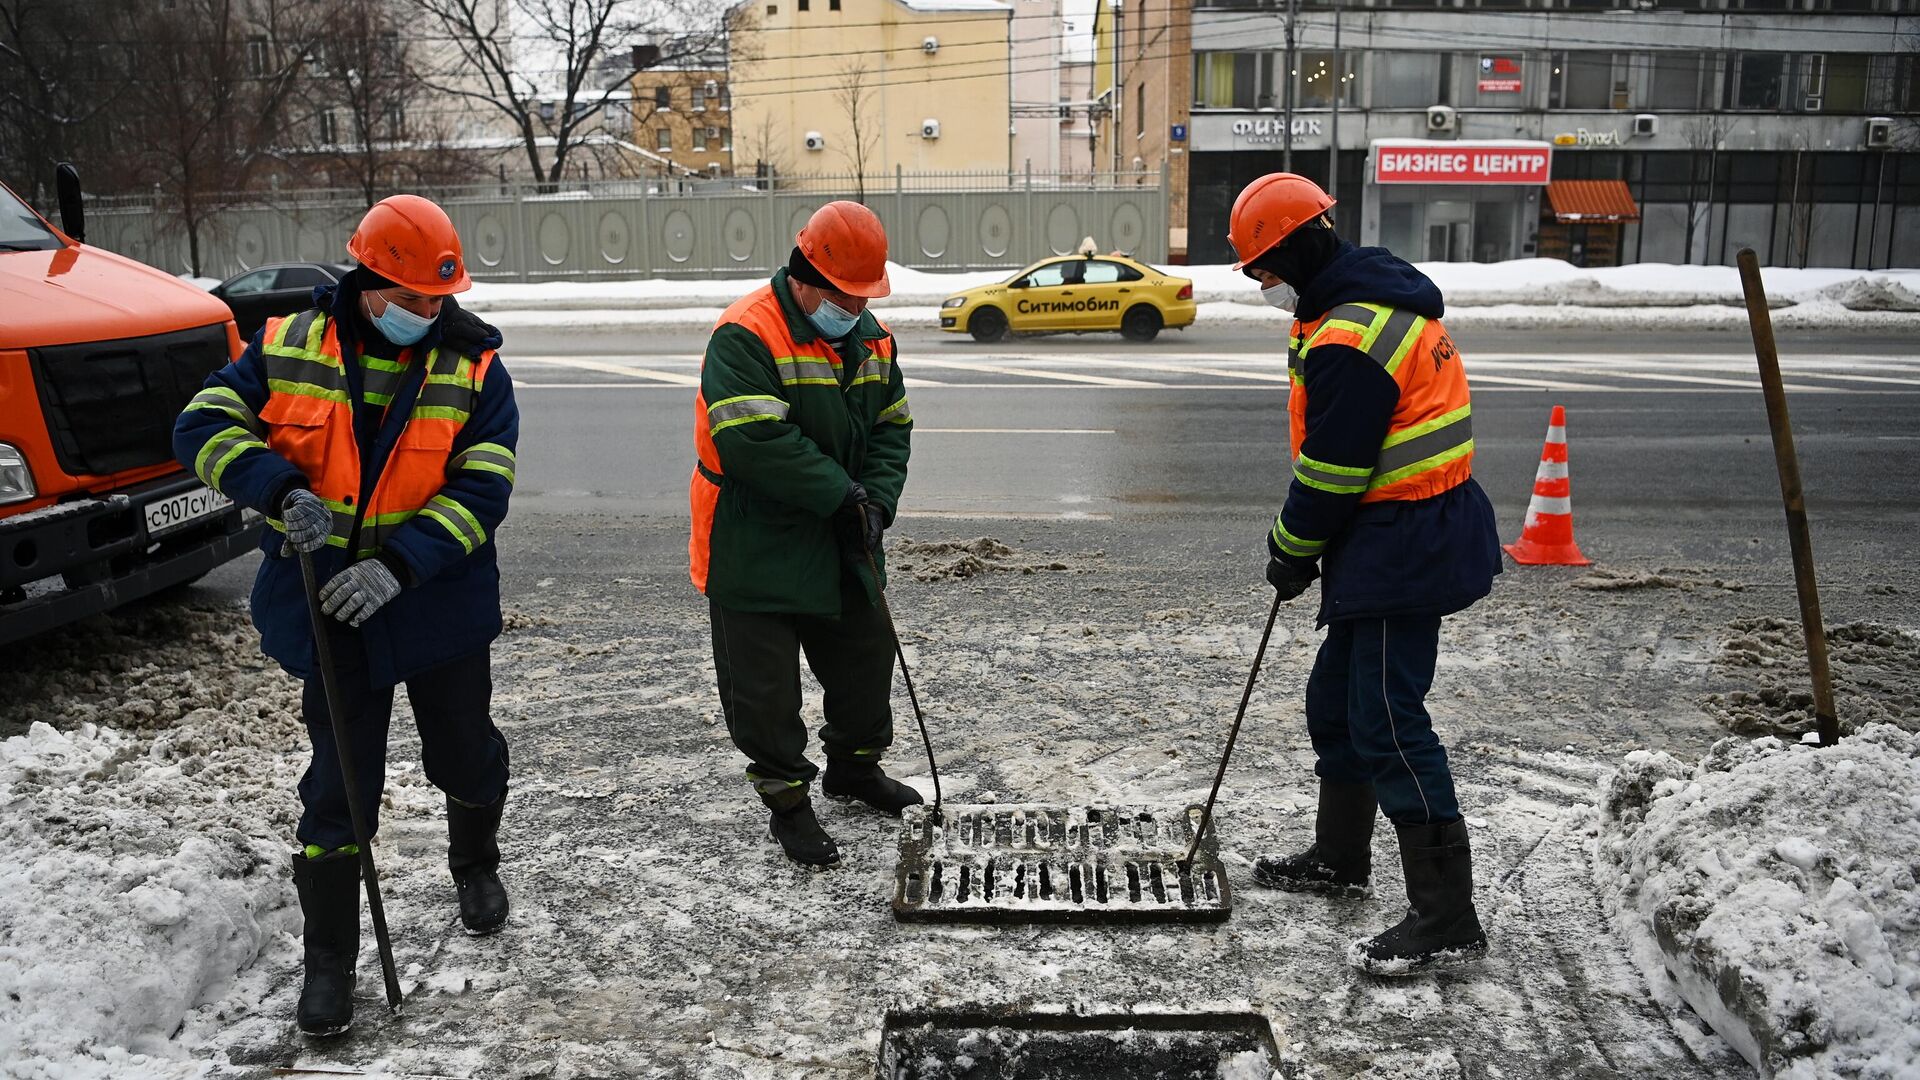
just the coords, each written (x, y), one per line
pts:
(216, 83)
(552, 79)
(853, 93)
(1702, 135)
(764, 144)
(64, 78)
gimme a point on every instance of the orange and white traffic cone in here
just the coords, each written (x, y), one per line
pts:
(1547, 537)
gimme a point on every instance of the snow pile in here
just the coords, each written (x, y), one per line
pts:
(141, 865)
(1876, 677)
(1775, 882)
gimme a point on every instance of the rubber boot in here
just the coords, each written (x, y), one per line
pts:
(1339, 862)
(862, 779)
(473, 855)
(329, 888)
(1441, 928)
(797, 830)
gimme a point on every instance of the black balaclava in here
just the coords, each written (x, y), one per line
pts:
(366, 280)
(1300, 257)
(799, 269)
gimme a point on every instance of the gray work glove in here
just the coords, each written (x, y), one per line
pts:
(357, 592)
(308, 522)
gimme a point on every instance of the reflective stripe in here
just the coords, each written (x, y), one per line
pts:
(1551, 470)
(457, 520)
(485, 457)
(1338, 479)
(227, 402)
(896, 413)
(1387, 344)
(299, 329)
(457, 397)
(1419, 444)
(873, 369)
(220, 451)
(1293, 545)
(807, 371)
(1550, 504)
(744, 410)
(307, 389)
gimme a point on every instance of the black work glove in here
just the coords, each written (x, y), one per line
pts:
(1289, 579)
(856, 525)
(463, 331)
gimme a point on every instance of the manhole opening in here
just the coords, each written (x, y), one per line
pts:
(1084, 864)
(986, 1046)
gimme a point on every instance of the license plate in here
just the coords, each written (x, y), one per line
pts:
(184, 509)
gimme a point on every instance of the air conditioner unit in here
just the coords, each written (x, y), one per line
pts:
(1066, 112)
(1811, 104)
(816, 141)
(929, 128)
(1879, 132)
(930, 45)
(713, 88)
(713, 170)
(1646, 124)
(1442, 118)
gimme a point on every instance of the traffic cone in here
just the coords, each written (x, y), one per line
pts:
(1547, 537)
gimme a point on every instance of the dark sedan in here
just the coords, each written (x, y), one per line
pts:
(280, 289)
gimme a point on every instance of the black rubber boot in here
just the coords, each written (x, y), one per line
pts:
(473, 854)
(1441, 929)
(797, 830)
(857, 778)
(329, 889)
(1339, 863)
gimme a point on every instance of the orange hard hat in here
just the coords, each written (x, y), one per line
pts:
(847, 244)
(1269, 210)
(410, 241)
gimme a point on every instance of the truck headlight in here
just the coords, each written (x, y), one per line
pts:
(16, 480)
(953, 302)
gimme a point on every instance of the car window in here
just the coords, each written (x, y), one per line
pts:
(1101, 272)
(247, 284)
(301, 277)
(1052, 274)
(21, 228)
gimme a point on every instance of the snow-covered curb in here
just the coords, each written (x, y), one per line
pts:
(1774, 885)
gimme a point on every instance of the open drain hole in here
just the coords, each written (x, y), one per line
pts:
(1003, 1046)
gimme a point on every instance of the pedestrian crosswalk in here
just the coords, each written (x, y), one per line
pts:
(1134, 370)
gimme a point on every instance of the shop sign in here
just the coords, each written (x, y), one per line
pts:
(1499, 73)
(1583, 137)
(1273, 131)
(1426, 162)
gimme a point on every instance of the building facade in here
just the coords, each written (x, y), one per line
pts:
(684, 114)
(1037, 82)
(838, 86)
(1143, 79)
(1598, 131)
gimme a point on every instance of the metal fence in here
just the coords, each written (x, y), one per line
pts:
(619, 229)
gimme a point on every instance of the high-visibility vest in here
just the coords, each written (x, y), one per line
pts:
(815, 363)
(309, 422)
(1429, 445)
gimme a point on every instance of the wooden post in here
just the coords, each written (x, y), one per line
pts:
(1791, 494)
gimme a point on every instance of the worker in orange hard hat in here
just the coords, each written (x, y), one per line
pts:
(1382, 508)
(802, 433)
(376, 431)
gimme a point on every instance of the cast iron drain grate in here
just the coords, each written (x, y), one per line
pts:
(1053, 864)
(985, 1046)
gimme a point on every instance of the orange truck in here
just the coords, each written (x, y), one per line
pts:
(98, 354)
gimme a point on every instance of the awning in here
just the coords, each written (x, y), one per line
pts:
(1581, 201)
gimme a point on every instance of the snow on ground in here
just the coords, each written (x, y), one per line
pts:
(1776, 882)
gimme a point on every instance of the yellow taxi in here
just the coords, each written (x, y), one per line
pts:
(1074, 294)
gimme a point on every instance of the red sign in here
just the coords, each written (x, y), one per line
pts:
(1499, 74)
(1422, 162)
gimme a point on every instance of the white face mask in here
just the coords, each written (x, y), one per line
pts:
(1280, 295)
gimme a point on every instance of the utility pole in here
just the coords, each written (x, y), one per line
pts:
(1339, 87)
(1286, 153)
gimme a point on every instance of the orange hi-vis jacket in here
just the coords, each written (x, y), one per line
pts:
(308, 418)
(1429, 444)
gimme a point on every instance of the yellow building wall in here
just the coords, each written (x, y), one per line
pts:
(788, 67)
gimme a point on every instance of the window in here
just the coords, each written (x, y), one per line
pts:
(1102, 272)
(259, 58)
(1583, 80)
(301, 277)
(833, 5)
(700, 139)
(1676, 80)
(1320, 80)
(663, 97)
(726, 94)
(725, 135)
(699, 99)
(1848, 76)
(803, 5)
(317, 59)
(1757, 81)
(1408, 80)
(1227, 80)
(396, 121)
(249, 284)
(328, 129)
(663, 140)
(1140, 110)
(1056, 274)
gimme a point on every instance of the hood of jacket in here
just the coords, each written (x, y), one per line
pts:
(1370, 275)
